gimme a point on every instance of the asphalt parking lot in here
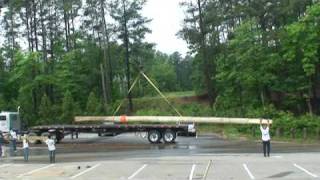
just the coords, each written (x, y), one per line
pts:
(223, 166)
(129, 157)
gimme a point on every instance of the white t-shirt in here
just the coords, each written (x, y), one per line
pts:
(50, 143)
(25, 144)
(265, 133)
(13, 134)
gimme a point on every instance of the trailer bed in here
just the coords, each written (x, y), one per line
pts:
(156, 132)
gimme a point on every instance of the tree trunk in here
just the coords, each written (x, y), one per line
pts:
(65, 18)
(106, 64)
(28, 26)
(206, 64)
(35, 24)
(103, 86)
(12, 33)
(126, 43)
(44, 46)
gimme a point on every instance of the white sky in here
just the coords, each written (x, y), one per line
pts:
(167, 20)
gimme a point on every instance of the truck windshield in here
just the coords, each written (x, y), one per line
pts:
(2, 118)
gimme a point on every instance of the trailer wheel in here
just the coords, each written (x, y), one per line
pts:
(169, 136)
(154, 136)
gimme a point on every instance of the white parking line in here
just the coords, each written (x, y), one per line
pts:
(277, 157)
(85, 171)
(137, 172)
(192, 171)
(5, 165)
(248, 171)
(306, 171)
(35, 170)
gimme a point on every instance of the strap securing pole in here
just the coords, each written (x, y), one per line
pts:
(164, 97)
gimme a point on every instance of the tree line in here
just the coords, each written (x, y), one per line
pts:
(65, 57)
(256, 54)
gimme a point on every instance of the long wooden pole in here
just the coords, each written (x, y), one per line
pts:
(166, 119)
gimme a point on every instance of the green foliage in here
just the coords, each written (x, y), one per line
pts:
(262, 57)
(69, 108)
(94, 106)
(46, 115)
(2, 102)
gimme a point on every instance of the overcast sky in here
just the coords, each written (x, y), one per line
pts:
(167, 20)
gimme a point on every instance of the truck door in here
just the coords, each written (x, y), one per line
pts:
(14, 122)
(3, 123)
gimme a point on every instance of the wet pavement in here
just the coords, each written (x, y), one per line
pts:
(91, 147)
(130, 156)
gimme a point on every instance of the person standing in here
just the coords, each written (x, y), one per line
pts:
(25, 146)
(13, 141)
(265, 136)
(1, 142)
(52, 149)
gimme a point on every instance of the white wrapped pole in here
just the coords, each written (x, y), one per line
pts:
(166, 119)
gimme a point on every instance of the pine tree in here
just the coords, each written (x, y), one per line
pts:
(68, 105)
(131, 28)
(93, 105)
(45, 111)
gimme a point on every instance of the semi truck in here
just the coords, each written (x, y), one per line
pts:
(156, 133)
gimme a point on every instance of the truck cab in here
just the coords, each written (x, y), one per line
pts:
(9, 120)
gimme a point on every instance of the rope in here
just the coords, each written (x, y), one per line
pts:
(133, 84)
(164, 97)
(154, 86)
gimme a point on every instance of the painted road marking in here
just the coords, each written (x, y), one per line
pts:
(85, 171)
(207, 170)
(306, 171)
(5, 165)
(277, 157)
(192, 171)
(248, 171)
(35, 170)
(137, 172)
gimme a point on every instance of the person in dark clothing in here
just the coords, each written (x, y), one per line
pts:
(1, 142)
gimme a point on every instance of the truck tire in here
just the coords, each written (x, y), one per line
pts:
(154, 136)
(169, 136)
(59, 136)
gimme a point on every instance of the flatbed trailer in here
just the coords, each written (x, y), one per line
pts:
(155, 132)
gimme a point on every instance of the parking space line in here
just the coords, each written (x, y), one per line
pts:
(248, 171)
(207, 170)
(5, 165)
(192, 171)
(306, 171)
(137, 172)
(35, 170)
(85, 171)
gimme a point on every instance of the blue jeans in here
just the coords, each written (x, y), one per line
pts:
(26, 154)
(266, 148)
(13, 147)
(52, 156)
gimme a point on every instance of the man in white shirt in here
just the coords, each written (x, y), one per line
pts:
(52, 149)
(265, 136)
